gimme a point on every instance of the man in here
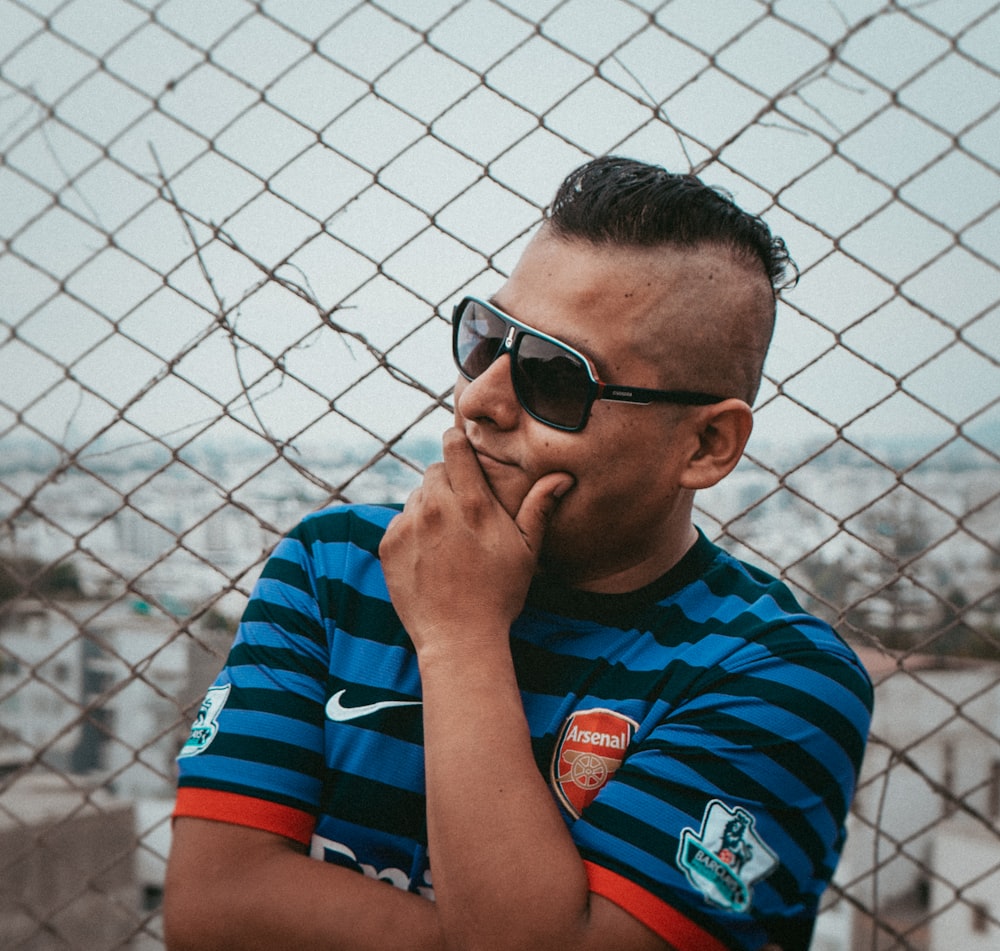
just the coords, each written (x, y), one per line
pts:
(540, 696)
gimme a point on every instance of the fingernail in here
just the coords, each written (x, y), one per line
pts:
(560, 490)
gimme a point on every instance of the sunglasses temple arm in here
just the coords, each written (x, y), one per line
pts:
(635, 394)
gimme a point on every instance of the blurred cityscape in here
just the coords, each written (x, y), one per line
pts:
(122, 580)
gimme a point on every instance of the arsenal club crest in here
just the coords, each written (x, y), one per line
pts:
(590, 748)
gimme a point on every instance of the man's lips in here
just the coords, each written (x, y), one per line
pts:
(489, 461)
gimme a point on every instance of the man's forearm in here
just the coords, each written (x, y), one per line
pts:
(243, 890)
(506, 871)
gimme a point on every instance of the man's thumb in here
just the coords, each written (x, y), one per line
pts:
(539, 504)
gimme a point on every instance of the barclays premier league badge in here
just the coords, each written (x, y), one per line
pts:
(205, 726)
(725, 857)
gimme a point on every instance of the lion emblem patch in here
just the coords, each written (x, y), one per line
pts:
(725, 857)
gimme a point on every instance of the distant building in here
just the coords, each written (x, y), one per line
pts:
(41, 683)
(93, 688)
(102, 694)
(927, 813)
(965, 889)
(67, 876)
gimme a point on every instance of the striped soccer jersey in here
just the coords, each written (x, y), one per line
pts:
(701, 736)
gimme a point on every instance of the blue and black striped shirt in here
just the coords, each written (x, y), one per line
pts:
(702, 736)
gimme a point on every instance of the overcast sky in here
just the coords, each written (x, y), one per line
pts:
(868, 134)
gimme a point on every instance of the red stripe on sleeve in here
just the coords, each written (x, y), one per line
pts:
(244, 811)
(682, 933)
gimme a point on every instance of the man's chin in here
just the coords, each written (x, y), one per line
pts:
(509, 500)
(509, 492)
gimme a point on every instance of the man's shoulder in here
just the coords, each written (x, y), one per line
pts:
(333, 554)
(763, 610)
(752, 591)
(340, 541)
(350, 523)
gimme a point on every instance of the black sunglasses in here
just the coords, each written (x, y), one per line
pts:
(555, 384)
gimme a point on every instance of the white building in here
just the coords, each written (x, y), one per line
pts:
(67, 865)
(924, 843)
(41, 682)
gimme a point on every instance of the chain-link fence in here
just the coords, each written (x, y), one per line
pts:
(231, 232)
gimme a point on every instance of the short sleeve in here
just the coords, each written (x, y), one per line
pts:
(724, 823)
(255, 752)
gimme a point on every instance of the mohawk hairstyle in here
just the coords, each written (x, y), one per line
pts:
(615, 200)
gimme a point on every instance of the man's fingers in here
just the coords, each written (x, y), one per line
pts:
(538, 506)
(465, 476)
(464, 472)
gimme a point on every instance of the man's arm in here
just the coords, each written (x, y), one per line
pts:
(506, 871)
(243, 889)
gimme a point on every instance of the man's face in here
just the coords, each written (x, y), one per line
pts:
(629, 510)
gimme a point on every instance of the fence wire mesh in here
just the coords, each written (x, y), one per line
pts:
(231, 233)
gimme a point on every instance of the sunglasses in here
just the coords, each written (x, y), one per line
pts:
(555, 384)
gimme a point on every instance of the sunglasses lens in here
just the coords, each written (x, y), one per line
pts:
(552, 383)
(478, 339)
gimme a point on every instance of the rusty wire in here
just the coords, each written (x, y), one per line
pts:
(230, 237)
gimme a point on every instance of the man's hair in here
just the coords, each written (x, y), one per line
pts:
(615, 200)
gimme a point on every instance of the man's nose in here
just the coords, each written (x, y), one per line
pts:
(491, 397)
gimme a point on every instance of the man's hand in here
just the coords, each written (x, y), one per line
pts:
(457, 565)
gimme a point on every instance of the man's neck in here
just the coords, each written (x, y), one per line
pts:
(633, 575)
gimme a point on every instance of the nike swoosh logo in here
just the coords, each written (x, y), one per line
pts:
(337, 712)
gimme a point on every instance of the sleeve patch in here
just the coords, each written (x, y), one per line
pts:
(206, 727)
(725, 857)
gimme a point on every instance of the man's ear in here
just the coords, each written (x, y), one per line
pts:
(722, 431)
